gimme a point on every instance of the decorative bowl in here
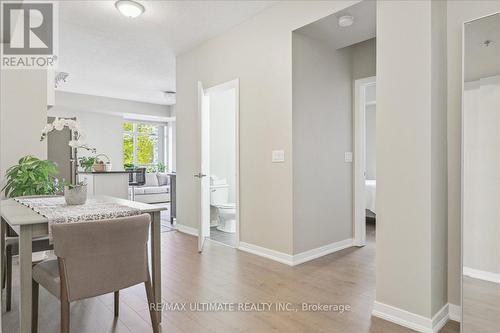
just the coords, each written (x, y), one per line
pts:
(76, 195)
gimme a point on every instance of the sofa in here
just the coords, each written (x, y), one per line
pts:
(156, 189)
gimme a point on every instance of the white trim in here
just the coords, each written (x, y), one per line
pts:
(359, 216)
(187, 230)
(300, 258)
(481, 275)
(297, 259)
(411, 320)
(267, 253)
(455, 312)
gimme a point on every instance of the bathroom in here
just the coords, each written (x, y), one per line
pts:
(222, 109)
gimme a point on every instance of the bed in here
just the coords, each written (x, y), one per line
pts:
(370, 192)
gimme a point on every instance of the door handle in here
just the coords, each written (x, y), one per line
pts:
(199, 175)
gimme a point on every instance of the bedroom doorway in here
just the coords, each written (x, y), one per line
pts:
(365, 183)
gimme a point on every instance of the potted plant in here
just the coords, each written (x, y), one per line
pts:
(86, 162)
(31, 176)
(75, 194)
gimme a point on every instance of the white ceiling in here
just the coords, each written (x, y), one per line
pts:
(481, 61)
(107, 54)
(328, 30)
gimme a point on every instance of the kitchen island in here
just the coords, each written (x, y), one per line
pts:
(111, 183)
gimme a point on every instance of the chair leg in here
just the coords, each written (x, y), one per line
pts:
(64, 316)
(152, 313)
(34, 307)
(117, 303)
(4, 273)
(8, 273)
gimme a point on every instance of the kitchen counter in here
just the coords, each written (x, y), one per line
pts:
(103, 172)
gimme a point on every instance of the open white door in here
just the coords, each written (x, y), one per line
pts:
(203, 175)
(359, 158)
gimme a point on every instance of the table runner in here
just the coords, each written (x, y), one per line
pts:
(56, 210)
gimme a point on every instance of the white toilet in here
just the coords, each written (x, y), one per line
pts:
(225, 212)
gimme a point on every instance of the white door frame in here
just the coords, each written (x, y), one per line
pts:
(233, 84)
(203, 167)
(359, 165)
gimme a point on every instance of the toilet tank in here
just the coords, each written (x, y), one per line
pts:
(219, 194)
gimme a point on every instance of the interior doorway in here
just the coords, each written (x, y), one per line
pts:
(219, 163)
(365, 184)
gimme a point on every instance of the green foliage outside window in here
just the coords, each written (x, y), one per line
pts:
(143, 138)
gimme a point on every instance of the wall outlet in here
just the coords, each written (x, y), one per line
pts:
(348, 156)
(278, 156)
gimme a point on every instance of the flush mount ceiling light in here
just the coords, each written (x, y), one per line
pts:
(129, 8)
(346, 21)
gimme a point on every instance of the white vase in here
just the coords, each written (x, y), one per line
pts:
(76, 195)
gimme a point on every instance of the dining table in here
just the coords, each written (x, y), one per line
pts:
(28, 224)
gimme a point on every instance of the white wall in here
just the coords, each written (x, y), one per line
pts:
(411, 260)
(104, 132)
(481, 177)
(364, 57)
(102, 120)
(458, 13)
(322, 133)
(223, 138)
(258, 52)
(23, 115)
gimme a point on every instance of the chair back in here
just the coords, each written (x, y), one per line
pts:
(137, 177)
(103, 256)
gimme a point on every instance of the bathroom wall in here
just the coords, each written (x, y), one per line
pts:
(223, 138)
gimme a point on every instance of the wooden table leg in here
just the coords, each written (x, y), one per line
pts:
(25, 278)
(156, 258)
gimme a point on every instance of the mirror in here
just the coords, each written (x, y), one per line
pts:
(481, 176)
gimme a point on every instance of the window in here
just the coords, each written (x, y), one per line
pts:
(141, 144)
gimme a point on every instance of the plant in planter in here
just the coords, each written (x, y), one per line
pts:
(86, 162)
(79, 136)
(75, 194)
(31, 176)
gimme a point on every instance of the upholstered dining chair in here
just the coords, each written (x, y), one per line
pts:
(95, 258)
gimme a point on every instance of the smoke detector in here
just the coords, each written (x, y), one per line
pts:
(346, 21)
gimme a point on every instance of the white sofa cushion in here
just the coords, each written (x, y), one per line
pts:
(163, 178)
(151, 190)
(151, 179)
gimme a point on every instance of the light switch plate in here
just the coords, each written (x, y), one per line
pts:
(348, 156)
(278, 156)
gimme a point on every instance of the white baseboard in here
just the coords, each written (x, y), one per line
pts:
(187, 230)
(297, 259)
(281, 257)
(411, 320)
(482, 275)
(321, 251)
(455, 312)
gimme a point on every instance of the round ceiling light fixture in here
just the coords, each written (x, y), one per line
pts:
(346, 21)
(129, 8)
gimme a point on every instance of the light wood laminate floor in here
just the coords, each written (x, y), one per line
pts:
(223, 274)
(481, 306)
